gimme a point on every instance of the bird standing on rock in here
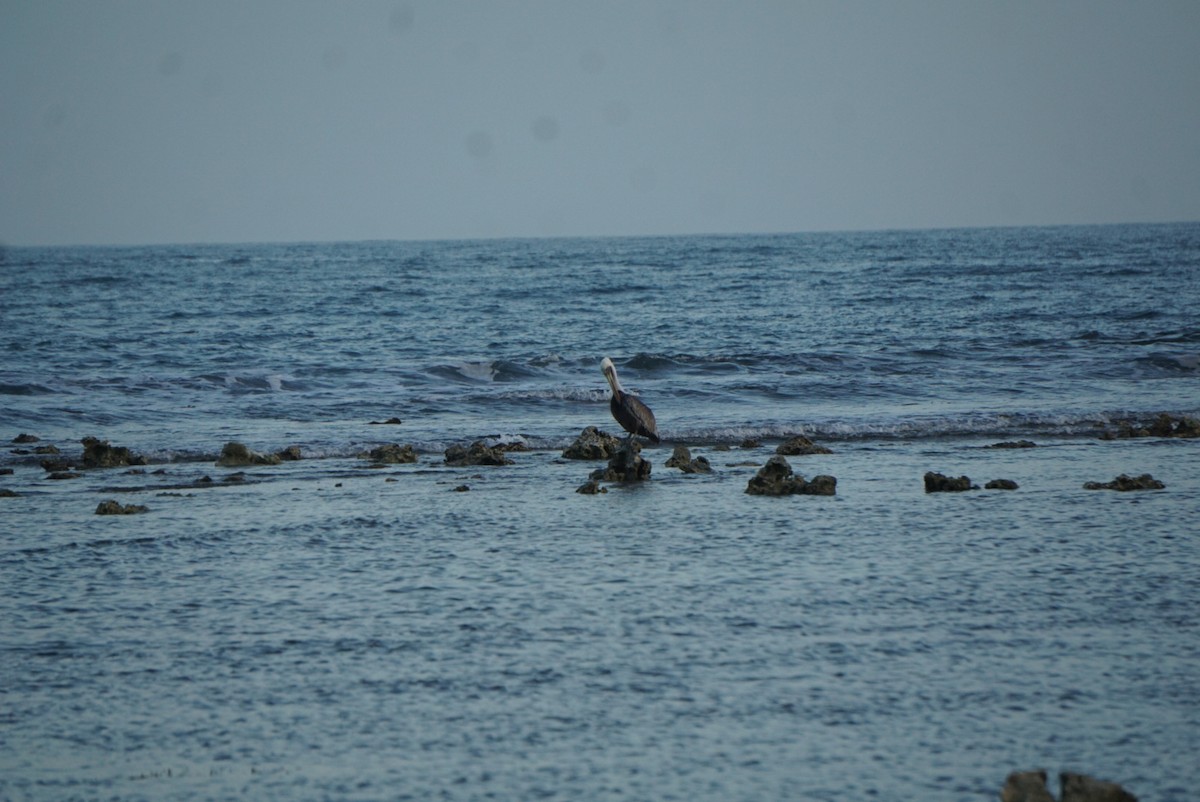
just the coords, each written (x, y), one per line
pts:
(634, 416)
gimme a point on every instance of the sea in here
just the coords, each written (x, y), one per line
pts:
(329, 629)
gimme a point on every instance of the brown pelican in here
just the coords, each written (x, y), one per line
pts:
(634, 416)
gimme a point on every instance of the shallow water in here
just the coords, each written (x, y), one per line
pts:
(322, 629)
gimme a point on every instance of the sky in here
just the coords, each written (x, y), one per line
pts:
(290, 120)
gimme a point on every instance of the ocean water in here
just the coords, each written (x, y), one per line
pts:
(325, 630)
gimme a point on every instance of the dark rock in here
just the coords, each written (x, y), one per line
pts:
(681, 458)
(937, 483)
(751, 442)
(58, 475)
(235, 478)
(204, 480)
(48, 449)
(1081, 788)
(1014, 444)
(99, 454)
(22, 452)
(64, 464)
(477, 454)
(722, 447)
(593, 444)
(1026, 786)
(6, 493)
(800, 446)
(237, 455)
(114, 508)
(290, 454)
(388, 422)
(1125, 483)
(776, 479)
(24, 439)
(1162, 426)
(6, 471)
(391, 454)
(1001, 484)
(590, 488)
(462, 489)
(626, 465)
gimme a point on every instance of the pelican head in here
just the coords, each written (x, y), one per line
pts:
(610, 373)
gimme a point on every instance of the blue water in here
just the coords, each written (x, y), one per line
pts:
(326, 630)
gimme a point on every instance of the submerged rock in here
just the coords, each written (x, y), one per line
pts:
(1001, 484)
(1125, 483)
(800, 446)
(391, 454)
(1082, 788)
(1026, 786)
(1014, 444)
(1163, 426)
(681, 458)
(58, 475)
(99, 454)
(115, 508)
(6, 493)
(626, 465)
(477, 454)
(776, 479)
(590, 488)
(237, 455)
(937, 483)
(592, 444)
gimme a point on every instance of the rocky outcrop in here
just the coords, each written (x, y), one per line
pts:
(1125, 483)
(115, 508)
(99, 454)
(1026, 786)
(237, 455)
(1082, 788)
(776, 479)
(391, 454)
(592, 444)
(626, 465)
(1162, 426)
(477, 453)
(937, 483)
(800, 446)
(1001, 484)
(681, 458)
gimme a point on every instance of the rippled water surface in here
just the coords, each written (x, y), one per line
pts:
(322, 629)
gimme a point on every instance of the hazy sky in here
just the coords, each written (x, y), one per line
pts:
(279, 120)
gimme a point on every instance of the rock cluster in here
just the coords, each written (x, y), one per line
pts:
(391, 454)
(99, 454)
(116, 508)
(477, 453)
(799, 446)
(1162, 426)
(592, 444)
(776, 479)
(1030, 786)
(681, 458)
(237, 455)
(1125, 483)
(626, 465)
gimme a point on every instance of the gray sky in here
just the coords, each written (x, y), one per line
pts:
(284, 120)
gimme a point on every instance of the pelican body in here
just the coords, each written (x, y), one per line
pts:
(634, 416)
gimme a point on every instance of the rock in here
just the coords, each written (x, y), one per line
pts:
(593, 444)
(477, 454)
(23, 438)
(1014, 444)
(626, 465)
(99, 454)
(1026, 786)
(681, 458)
(59, 475)
(1081, 788)
(937, 483)
(290, 454)
(776, 479)
(388, 422)
(590, 488)
(1162, 426)
(114, 508)
(64, 464)
(48, 449)
(462, 489)
(6, 493)
(1125, 483)
(1001, 484)
(800, 446)
(751, 442)
(237, 455)
(391, 454)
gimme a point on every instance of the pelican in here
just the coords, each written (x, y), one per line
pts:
(634, 416)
